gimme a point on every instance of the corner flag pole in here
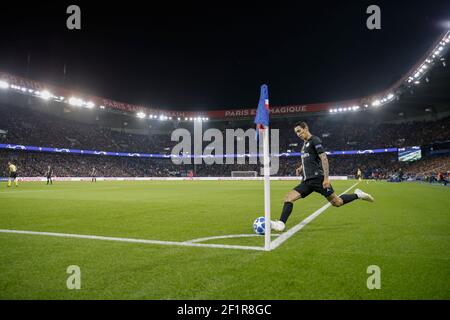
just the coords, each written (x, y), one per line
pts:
(266, 188)
(262, 127)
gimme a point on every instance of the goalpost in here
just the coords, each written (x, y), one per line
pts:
(244, 174)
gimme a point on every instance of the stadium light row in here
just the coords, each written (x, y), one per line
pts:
(47, 95)
(375, 103)
(78, 102)
(142, 115)
(344, 109)
(436, 54)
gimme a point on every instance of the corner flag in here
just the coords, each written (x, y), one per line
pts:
(262, 113)
(262, 125)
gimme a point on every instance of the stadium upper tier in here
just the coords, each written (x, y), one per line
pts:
(435, 56)
(27, 125)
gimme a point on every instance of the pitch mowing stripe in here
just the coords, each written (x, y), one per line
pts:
(285, 236)
(167, 243)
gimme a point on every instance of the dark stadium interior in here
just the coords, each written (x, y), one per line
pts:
(418, 115)
(225, 159)
(203, 55)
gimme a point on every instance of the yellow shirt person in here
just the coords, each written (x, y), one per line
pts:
(12, 174)
(12, 168)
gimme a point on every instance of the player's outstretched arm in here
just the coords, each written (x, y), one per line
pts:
(326, 169)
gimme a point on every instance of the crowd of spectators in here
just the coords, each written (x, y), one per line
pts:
(30, 127)
(428, 170)
(383, 166)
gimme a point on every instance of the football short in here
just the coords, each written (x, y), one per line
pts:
(313, 185)
(13, 175)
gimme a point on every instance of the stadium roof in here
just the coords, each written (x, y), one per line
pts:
(198, 55)
(435, 56)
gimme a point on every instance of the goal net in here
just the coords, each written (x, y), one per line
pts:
(243, 174)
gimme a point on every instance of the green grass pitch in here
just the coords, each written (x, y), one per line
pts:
(405, 232)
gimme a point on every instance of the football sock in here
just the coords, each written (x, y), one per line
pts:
(287, 209)
(348, 197)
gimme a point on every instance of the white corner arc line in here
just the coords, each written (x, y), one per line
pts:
(231, 236)
(131, 240)
(191, 243)
(285, 236)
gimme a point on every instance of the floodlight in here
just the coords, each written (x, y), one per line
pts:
(46, 95)
(4, 85)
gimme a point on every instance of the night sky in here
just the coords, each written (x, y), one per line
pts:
(215, 55)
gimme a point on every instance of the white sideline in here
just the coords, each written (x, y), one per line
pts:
(285, 236)
(170, 243)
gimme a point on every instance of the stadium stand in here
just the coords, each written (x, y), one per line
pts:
(29, 127)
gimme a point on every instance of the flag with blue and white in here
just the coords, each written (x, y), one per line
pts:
(262, 113)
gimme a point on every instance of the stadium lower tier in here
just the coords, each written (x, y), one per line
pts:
(381, 166)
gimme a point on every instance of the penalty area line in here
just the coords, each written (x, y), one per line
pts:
(131, 240)
(285, 236)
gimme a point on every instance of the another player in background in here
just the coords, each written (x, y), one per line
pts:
(315, 171)
(12, 174)
(375, 175)
(94, 175)
(49, 175)
(359, 174)
(441, 178)
(400, 174)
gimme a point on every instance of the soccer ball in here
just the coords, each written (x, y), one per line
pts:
(259, 225)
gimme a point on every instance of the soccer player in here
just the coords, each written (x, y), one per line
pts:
(441, 178)
(400, 174)
(49, 174)
(12, 174)
(94, 175)
(315, 170)
(359, 174)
